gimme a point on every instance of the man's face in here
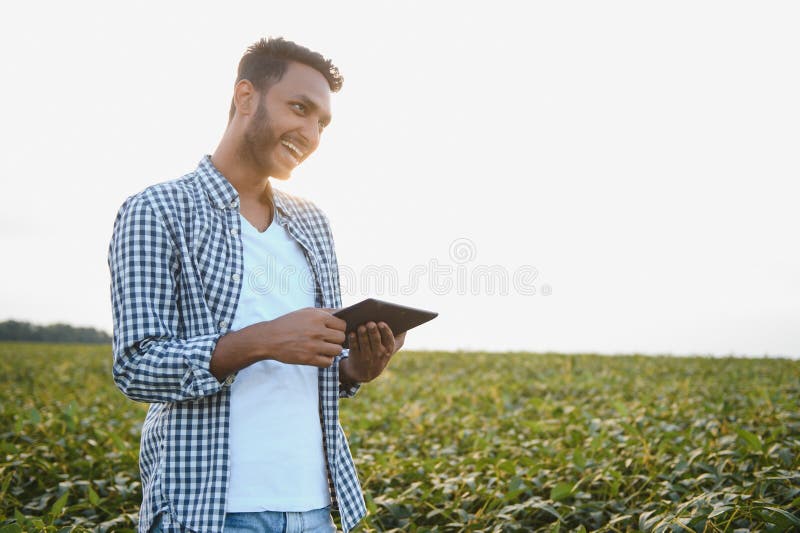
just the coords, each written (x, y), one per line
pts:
(286, 126)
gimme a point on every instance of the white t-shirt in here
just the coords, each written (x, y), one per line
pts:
(276, 453)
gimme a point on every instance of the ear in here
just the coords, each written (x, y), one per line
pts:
(245, 98)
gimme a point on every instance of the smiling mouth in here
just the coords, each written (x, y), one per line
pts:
(295, 154)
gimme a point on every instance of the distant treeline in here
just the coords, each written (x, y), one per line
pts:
(13, 330)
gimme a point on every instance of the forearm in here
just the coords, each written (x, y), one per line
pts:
(176, 370)
(240, 349)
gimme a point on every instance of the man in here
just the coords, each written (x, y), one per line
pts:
(222, 293)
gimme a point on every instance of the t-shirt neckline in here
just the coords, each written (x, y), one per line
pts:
(254, 229)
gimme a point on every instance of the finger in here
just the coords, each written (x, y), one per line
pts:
(385, 326)
(399, 341)
(329, 349)
(363, 339)
(352, 342)
(374, 338)
(334, 322)
(322, 361)
(335, 336)
(387, 338)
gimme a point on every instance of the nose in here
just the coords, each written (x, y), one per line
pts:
(311, 134)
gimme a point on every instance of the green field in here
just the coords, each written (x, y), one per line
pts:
(455, 442)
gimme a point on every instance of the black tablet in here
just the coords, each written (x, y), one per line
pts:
(399, 317)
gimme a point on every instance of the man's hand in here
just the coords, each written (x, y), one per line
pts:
(308, 336)
(371, 347)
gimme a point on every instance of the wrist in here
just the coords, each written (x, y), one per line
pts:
(255, 341)
(236, 350)
(346, 377)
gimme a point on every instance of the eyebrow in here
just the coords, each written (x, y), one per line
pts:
(308, 102)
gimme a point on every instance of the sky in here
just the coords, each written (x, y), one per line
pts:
(610, 177)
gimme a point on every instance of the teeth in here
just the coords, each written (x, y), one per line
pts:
(293, 148)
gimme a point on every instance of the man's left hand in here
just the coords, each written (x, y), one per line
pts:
(371, 348)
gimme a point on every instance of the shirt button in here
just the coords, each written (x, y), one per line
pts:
(223, 324)
(230, 379)
(234, 232)
(233, 203)
(235, 277)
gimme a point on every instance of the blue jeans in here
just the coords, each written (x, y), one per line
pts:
(316, 521)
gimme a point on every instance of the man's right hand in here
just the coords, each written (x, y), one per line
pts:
(308, 336)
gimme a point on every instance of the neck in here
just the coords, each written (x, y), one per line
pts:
(240, 172)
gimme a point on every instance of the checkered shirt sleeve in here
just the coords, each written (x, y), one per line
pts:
(154, 362)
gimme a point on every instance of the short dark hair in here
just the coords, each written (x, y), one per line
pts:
(266, 61)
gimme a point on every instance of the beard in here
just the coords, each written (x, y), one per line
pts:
(259, 142)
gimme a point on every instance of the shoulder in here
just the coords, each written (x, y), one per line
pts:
(173, 194)
(165, 200)
(297, 206)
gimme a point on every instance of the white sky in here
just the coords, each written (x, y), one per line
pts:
(642, 157)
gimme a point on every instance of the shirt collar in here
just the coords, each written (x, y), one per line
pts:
(280, 204)
(223, 195)
(220, 192)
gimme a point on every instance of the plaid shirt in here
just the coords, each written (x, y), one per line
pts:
(176, 272)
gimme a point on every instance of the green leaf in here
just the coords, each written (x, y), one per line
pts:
(94, 499)
(787, 515)
(720, 510)
(620, 518)
(546, 508)
(515, 487)
(34, 416)
(561, 491)
(579, 459)
(647, 520)
(55, 511)
(751, 439)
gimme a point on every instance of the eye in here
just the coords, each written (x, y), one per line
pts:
(301, 108)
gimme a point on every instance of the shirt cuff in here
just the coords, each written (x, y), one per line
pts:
(346, 390)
